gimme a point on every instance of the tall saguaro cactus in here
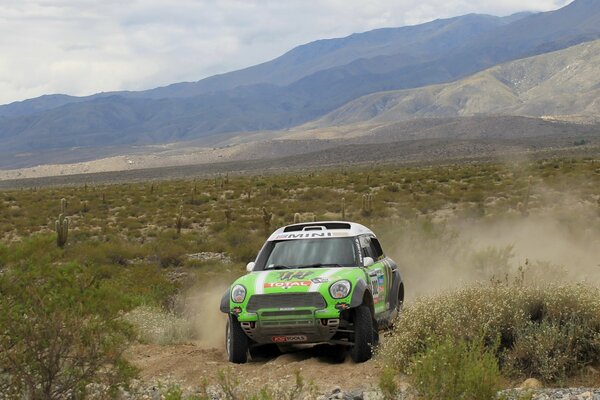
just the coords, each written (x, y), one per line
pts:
(367, 204)
(179, 220)
(267, 216)
(62, 225)
(343, 208)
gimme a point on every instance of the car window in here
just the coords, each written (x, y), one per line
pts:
(376, 247)
(365, 246)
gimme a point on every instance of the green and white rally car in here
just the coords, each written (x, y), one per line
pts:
(318, 282)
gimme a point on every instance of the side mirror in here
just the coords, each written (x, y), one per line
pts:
(368, 261)
(250, 266)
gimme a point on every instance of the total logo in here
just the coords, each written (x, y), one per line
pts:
(287, 285)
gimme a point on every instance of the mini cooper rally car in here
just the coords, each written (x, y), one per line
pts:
(314, 283)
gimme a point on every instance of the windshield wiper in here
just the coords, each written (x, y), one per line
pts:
(279, 267)
(318, 265)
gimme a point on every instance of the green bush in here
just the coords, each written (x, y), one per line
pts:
(451, 369)
(60, 331)
(536, 326)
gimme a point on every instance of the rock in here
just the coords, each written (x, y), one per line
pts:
(355, 395)
(372, 395)
(531, 383)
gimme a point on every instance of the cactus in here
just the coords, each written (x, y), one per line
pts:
(367, 204)
(62, 225)
(85, 207)
(193, 200)
(297, 218)
(103, 198)
(151, 188)
(343, 208)
(267, 219)
(179, 220)
(228, 216)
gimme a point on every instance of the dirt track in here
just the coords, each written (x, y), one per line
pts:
(189, 363)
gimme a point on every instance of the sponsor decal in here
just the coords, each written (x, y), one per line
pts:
(289, 275)
(319, 280)
(287, 308)
(304, 235)
(375, 286)
(289, 339)
(287, 285)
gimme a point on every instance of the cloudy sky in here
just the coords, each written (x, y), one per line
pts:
(81, 47)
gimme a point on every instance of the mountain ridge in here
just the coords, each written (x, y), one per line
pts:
(110, 118)
(569, 77)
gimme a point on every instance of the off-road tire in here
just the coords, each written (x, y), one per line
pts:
(236, 341)
(363, 335)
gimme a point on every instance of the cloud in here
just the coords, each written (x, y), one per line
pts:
(81, 47)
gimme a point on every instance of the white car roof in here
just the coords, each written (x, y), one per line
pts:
(320, 229)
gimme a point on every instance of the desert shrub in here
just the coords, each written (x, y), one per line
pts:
(114, 251)
(456, 369)
(39, 247)
(166, 251)
(565, 319)
(156, 326)
(549, 348)
(60, 330)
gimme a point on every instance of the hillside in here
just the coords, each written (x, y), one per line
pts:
(377, 61)
(424, 140)
(562, 83)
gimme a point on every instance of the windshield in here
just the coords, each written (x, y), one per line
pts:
(309, 253)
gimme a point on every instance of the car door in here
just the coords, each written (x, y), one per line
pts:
(380, 273)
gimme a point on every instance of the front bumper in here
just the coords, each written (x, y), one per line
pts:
(289, 319)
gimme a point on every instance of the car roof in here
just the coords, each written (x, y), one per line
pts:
(320, 229)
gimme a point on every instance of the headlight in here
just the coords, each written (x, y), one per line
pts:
(340, 289)
(238, 294)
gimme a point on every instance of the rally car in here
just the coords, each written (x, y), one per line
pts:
(314, 283)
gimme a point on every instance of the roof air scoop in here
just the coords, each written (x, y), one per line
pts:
(314, 228)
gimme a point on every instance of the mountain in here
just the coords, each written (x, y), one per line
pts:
(302, 85)
(562, 83)
(423, 41)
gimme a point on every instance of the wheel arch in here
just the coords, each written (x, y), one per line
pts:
(362, 295)
(397, 293)
(225, 302)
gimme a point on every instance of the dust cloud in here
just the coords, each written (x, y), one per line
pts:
(559, 242)
(200, 306)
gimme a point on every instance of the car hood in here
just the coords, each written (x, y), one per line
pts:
(296, 280)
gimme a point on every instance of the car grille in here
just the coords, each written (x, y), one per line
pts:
(286, 300)
(285, 313)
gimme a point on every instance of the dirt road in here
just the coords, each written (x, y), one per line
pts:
(189, 363)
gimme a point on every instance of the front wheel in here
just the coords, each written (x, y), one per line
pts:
(363, 335)
(236, 341)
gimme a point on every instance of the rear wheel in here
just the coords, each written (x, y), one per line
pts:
(236, 341)
(363, 335)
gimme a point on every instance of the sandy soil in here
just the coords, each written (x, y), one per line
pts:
(190, 363)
